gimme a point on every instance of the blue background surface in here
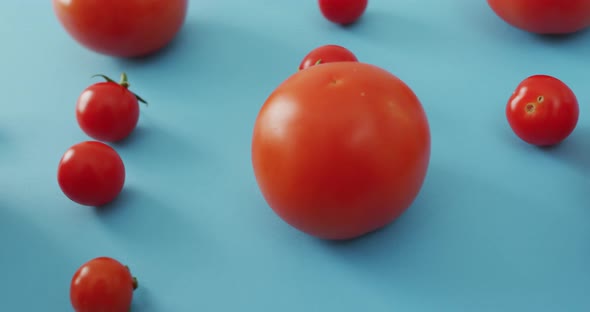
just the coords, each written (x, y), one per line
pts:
(498, 225)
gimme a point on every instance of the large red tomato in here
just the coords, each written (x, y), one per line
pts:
(341, 149)
(544, 16)
(122, 28)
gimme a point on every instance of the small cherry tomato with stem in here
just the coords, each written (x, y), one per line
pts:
(107, 111)
(542, 110)
(102, 284)
(91, 173)
(327, 54)
(343, 12)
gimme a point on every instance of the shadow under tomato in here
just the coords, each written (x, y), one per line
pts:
(138, 135)
(562, 38)
(144, 301)
(166, 237)
(574, 150)
(462, 230)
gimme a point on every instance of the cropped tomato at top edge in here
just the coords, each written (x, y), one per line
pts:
(130, 28)
(544, 17)
(343, 12)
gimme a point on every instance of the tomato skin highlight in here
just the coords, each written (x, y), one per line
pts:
(343, 12)
(102, 284)
(91, 173)
(327, 54)
(107, 111)
(542, 110)
(130, 28)
(545, 17)
(341, 150)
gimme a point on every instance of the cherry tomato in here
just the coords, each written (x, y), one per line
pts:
(343, 12)
(129, 28)
(102, 284)
(544, 17)
(340, 150)
(542, 111)
(108, 111)
(327, 54)
(91, 173)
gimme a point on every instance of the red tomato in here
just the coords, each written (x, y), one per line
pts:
(340, 150)
(108, 111)
(544, 16)
(129, 28)
(343, 12)
(327, 54)
(91, 173)
(102, 284)
(542, 110)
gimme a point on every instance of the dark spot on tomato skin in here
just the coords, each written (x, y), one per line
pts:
(530, 108)
(335, 81)
(540, 99)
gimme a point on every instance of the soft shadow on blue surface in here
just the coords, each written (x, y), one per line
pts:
(138, 218)
(41, 260)
(134, 140)
(574, 150)
(495, 241)
(143, 300)
(390, 29)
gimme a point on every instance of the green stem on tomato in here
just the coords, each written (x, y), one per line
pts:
(135, 283)
(318, 62)
(124, 83)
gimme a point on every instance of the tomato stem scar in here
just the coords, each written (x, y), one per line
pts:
(124, 83)
(530, 108)
(540, 99)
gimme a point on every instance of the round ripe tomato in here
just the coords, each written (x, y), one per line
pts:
(544, 17)
(129, 28)
(102, 284)
(340, 150)
(327, 54)
(542, 111)
(108, 111)
(343, 12)
(91, 173)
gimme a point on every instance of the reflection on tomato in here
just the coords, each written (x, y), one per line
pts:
(544, 16)
(340, 150)
(129, 28)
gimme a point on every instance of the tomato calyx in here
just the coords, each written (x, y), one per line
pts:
(318, 62)
(135, 283)
(124, 83)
